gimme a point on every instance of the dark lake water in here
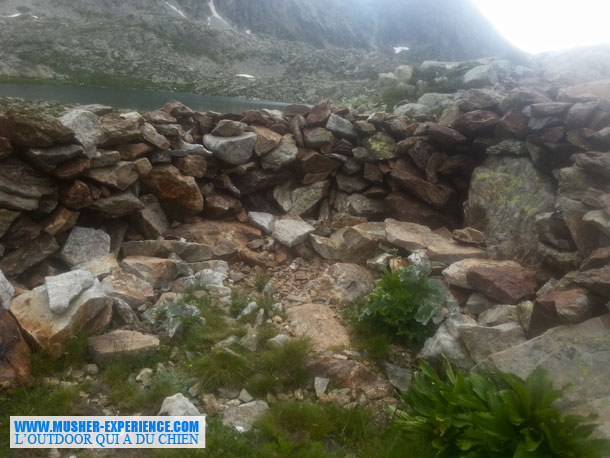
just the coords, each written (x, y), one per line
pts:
(132, 98)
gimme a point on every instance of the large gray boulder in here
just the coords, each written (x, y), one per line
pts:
(86, 127)
(291, 232)
(233, 150)
(506, 194)
(64, 288)
(243, 417)
(84, 244)
(120, 342)
(577, 355)
(51, 331)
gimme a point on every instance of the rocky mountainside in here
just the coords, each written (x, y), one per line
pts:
(279, 50)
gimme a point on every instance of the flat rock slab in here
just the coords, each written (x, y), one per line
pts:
(456, 273)
(129, 288)
(188, 252)
(577, 355)
(121, 342)
(318, 322)
(262, 221)
(290, 232)
(51, 331)
(224, 238)
(158, 272)
(348, 244)
(100, 267)
(412, 237)
(482, 341)
(63, 289)
(243, 417)
(505, 284)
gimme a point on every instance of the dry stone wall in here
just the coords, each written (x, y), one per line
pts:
(114, 207)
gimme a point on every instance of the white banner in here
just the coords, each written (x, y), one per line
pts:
(108, 432)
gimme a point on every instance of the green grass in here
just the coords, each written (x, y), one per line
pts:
(39, 400)
(305, 430)
(260, 280)
(75, 355)
(239, 301)
(273, 369)
(220, 368)
(365, 335)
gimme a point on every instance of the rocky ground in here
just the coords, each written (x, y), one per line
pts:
(181, 262)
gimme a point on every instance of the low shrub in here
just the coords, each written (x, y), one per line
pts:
(494, 415)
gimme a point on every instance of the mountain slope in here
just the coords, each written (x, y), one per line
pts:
(295, 50)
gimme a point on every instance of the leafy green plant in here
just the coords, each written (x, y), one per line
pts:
(494, 415)
(173, 317)
(408, 303)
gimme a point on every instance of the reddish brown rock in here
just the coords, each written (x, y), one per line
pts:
(59, 221)
(476, 122)
(512, 124)
(505, 284)
(35, 130)
(72, 168)
(597, 260)
(224, 238)
(570, 306)
(119, 176)
(192, 165)
(15, 363)
(266, 141)
(118, 129)
(134, 150)
(218, 205)
(436, 195)
(318, 115)
(179, 195)
(445, 136)
(76, 196)
(311, 162)
(596, 280)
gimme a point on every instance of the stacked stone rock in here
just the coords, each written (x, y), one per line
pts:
(521, 165)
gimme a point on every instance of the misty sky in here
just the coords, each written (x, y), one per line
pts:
(548, 25)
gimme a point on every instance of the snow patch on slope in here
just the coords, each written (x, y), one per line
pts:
(215, 13)
(243, 75)
(399, 49)
(176, 9)
(17, 15)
